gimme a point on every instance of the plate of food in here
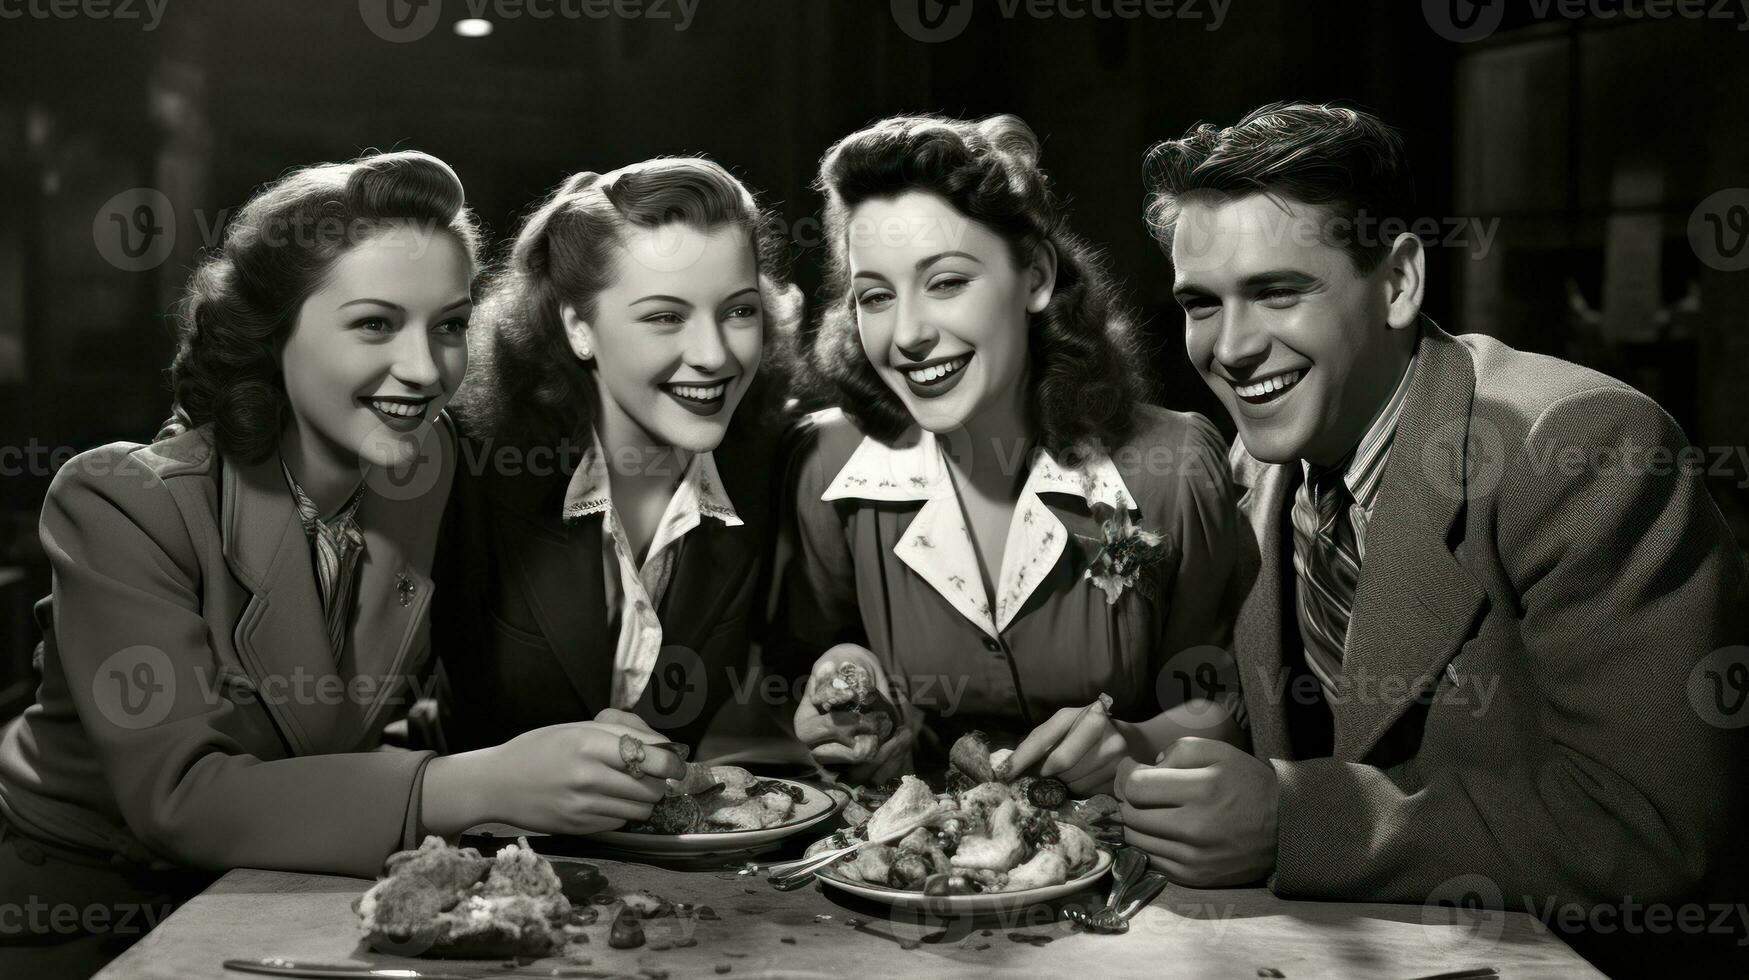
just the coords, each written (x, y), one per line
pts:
(723, 808)
(990, 843)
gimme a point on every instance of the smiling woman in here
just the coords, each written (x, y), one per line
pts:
(623, 341)
(960, 516)
(273, 546)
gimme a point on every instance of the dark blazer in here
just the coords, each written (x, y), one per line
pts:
(191, 708)
(1580, 598)
(528, 645)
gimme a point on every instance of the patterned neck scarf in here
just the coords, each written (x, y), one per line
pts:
(335, 546)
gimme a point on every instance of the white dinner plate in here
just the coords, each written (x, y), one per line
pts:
(816, 805)
(979, 904)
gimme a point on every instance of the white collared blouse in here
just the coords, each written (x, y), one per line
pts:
(634, 592)
(882, 557)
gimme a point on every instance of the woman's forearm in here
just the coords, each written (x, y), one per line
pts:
(457, 793)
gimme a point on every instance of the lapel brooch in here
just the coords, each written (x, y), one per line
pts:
(404, 588)
(1126, 551)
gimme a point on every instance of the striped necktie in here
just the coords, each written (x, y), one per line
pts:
(336, 545)
(1327, 566)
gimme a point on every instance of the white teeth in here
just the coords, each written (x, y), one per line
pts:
(701, 394)
(1268, 385)
(400, 410)
(929, 374)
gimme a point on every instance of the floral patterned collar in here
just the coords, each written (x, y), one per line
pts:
(937, 545)
(700, 493)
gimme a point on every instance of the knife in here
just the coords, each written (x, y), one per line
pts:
(276, 967)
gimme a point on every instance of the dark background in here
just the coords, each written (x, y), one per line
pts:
(1589, 146)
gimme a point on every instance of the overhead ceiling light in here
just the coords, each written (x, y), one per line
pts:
(473, 27)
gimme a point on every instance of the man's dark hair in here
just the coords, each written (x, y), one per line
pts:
(1345, 162)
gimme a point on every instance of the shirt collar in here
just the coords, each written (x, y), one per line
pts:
(310, 516)
(1365, 466)
(915, 470)
(700, 493)
(936, 544)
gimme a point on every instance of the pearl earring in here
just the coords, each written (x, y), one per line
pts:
(583, 350)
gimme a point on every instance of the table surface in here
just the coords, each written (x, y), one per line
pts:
(818, 932)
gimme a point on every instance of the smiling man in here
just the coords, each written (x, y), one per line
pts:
(1466, 667)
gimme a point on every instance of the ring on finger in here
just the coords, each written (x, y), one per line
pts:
(631, 752)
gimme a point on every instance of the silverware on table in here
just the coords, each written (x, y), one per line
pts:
(1118, 922)
(276, 967)
(1127, 865)
(793, 874)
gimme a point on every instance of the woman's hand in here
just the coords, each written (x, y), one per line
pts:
(850, 738)
(1080, 746)
(562, 779)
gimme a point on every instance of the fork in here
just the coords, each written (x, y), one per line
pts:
(1126, 864)
(1107, 921)
(793, 874)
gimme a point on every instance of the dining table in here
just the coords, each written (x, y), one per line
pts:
(738, 924)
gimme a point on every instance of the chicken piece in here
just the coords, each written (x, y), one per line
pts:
(911, 803)
(873, 864)
(1079, 851)
(852, 688)
(698, 779)
(1047, 867)
(971, 756)
(738, 783)
(999, 850)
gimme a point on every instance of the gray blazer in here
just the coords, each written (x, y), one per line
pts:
(191, 709)
(1524, 640)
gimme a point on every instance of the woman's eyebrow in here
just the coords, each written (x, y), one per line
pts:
(372, 302)
(660, 298)
(741, 292)
(937, 257)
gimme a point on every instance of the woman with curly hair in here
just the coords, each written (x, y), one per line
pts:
(992, 525)
(611, 531)
(241, 607)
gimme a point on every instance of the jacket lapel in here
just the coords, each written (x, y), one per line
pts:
(558, 567)
(281, 637)
(1257, 636)
(393, 592)
(1414, 604)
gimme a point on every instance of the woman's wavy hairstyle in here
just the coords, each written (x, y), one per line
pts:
(243, 299)
(1086, 376)
(525, 386)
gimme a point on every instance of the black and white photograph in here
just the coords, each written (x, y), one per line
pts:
(658, 489)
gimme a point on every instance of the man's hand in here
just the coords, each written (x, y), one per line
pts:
(1206, 813)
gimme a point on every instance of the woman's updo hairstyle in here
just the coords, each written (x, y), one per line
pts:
(1086, 376)
(525, 385)
(243, 299)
